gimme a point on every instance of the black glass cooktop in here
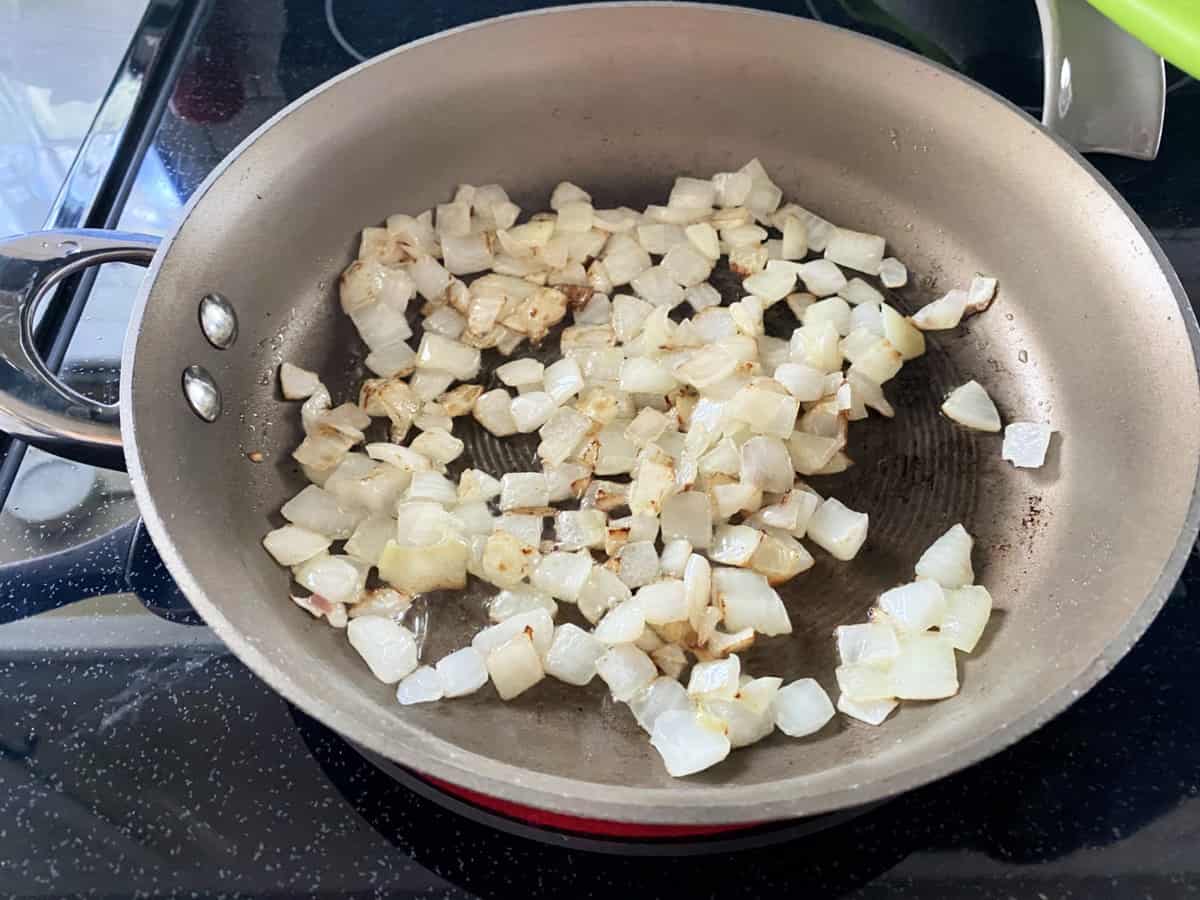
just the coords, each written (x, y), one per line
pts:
(138, 757)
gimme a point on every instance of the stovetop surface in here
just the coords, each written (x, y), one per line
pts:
(139, 757)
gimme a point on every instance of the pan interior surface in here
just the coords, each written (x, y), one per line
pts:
(1087, 334)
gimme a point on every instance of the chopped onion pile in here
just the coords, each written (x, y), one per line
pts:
(906, 650)
(669, 504)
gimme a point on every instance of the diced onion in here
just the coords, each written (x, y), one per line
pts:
(971, 406)
(1025, 444)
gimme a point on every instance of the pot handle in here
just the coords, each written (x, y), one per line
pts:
(1104, 90)
(35, 405)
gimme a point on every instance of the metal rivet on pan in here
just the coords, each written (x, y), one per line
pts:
(202, 393)
(218, 321)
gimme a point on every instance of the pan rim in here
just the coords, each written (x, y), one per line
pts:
(682, 804)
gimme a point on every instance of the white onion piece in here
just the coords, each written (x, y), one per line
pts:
(416, 570)
(562, 575)
(863, 684)
(948, 559)
(878, 363)
(626, 670)
(520, 599)
(765, 412)
(598, 309)
(573, 654)
(577, 529)
(838, 530)
(561, 434)
(925, 669)
(641, 375)
(527, 528)
(918, 606)
(320, 607)
(772, 284)
(855, 250)
(873, 712)
(732, 188)
(291, 545)
(395, 359)
(868, 644)
(697, 587)
(602, 591)
(624, 260)
(966, 616)
(802, 708)
(1026, 443)
(980, 293)
(730, 499)
(297, 383)
(439, 445)
(515, 666)
(431, 486)
(943, 313)
(622, 624)
(715, 679)
(802, 381)
(857, 292)
(901, 333)
(833, 310)
(734, 545)
(617, 454)
(688, 516)
(659, 696)
(646, 427)
(563, 380)
(706, 367)
(657, 286)
(748, 601)
(893, 273)
(370, 538)
(822, 277)
(493, 410)
(662, 602)
(537, 621)
(565, 192)
(422, 685)
(567, 480)
(780, 557)
(521, 372)
(817, 346)
(867, 316)
(388, 649)
(869, 394)
(462, 672)
(971, 406)
(523, 489)
(685, 744)
(674, 557)
(638, 563)
(653, 481)
(702, 296)
(765, 463)
(659, 239)
(336, 578)
(475, 484)
(575, 217)
(686, 266)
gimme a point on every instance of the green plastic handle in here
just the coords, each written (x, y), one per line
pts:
(1169, 27)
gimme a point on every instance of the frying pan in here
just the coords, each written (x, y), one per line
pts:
(1091, 332)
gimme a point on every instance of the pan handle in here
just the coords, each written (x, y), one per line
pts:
(35, 405)
(123, 560)
(1104, 90)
